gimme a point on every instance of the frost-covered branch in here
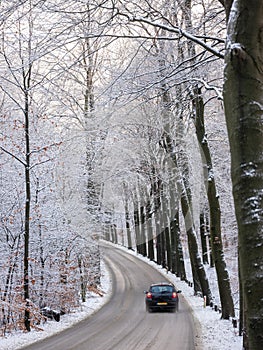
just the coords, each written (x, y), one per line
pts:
(177, 30)
(209, 87)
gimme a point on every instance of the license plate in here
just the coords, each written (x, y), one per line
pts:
(161, 303)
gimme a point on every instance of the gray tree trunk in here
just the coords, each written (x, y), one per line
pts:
(26, 86)
(178, 267)
(203, 237)
(243, 99)
(127, 221)
(215, 211)
(150, 243)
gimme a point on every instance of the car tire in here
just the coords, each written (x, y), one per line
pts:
(148, 309)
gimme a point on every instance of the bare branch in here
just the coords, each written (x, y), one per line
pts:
(12, 155)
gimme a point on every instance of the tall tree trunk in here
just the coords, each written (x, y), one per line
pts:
(214, 209)
(156, 192)
(199, 275)
(88, 63)
(162, 239)
(177, 257)
(241, 313)
(150, 241)
(203, 238)
(27, 210)
(174, 261)
(114, 234)
(106, 229)
(143, 227)
(165, 212)
(42, 271)
(201, 283)
(207, 225)
(148, 224)
(168, 248)
(158, 247)
(83, 284)
(243, 101)
(163, 249)
(137, 223)
(127, 222)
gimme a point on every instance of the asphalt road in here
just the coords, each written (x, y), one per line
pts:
(123, 323)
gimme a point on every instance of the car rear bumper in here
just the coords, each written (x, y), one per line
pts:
(161, 305)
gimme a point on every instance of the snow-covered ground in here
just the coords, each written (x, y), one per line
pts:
(94, 303)
(213, 333)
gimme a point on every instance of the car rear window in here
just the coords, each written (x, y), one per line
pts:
(161, 289)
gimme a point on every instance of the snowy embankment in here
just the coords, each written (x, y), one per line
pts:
(212, 333)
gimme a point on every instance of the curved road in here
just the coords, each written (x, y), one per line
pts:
(123, 323)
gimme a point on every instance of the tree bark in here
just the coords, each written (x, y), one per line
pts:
(207, 225)
(227, 5)
(150, 244)
(214, 209)
(158, 247)
(178, 267)
(127, 223)
(203, 238)
(243, 101)
(27, 211)
(143, 228)
(198, 271)
(148, 224)
(137, 223)
(83, 284)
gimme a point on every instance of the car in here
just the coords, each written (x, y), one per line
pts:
(162, 296)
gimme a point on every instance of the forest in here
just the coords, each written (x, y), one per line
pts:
(138, 122)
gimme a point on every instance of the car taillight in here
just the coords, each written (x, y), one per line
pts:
(174, 295)
(149, 295)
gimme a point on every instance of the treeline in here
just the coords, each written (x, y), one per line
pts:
(112, 112)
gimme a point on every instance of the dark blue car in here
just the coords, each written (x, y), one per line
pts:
(162, 296)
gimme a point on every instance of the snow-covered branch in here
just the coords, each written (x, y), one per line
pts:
(176, 30)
